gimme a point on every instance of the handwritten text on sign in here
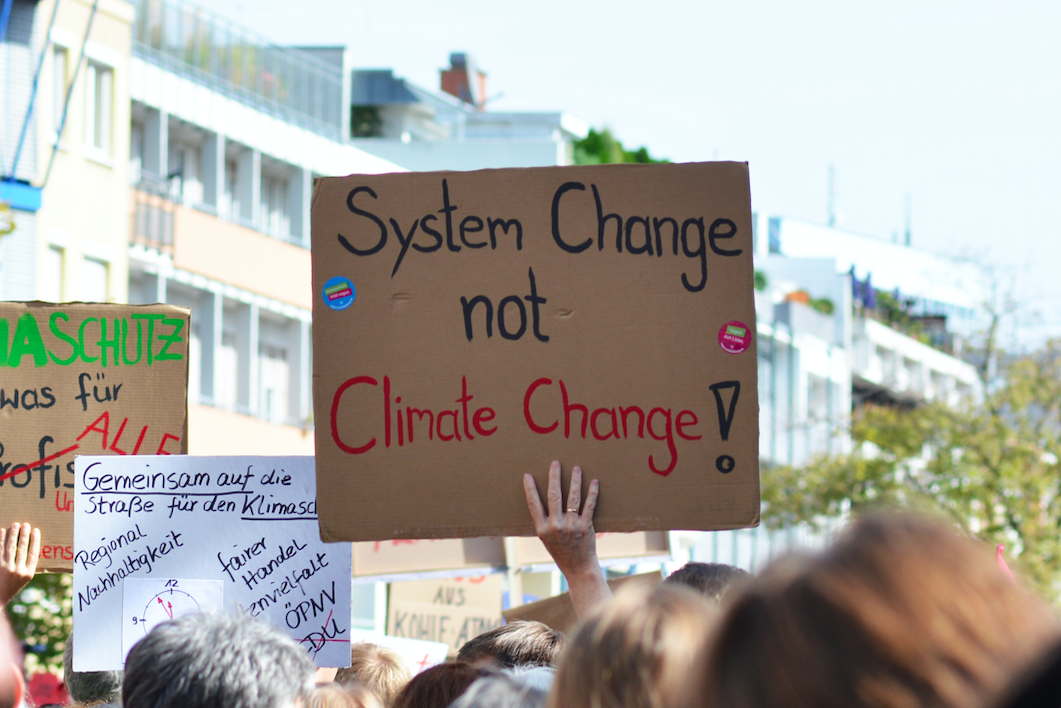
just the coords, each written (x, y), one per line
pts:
(82, 379)
(249, 522)
(473, 326)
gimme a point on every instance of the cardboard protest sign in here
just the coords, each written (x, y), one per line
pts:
(473, 326)
(83, 379)
(158, 536)
(449, 610)
(529, 551)
(417, 654)
(400, 556)
(559, 612)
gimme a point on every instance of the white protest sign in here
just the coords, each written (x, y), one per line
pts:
(249, 524)
(417, 654)
(147, 602)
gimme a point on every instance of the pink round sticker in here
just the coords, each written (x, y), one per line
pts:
(734, 337)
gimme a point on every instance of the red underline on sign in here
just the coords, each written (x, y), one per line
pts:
(22, 468)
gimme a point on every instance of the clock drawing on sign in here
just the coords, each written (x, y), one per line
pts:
(148, 602)
(163, 606)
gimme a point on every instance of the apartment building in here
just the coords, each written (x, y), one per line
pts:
(825, 348)
(227, 133)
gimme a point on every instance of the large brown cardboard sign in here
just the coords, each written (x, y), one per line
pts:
(422, 555)
(559, 612)
(451, 610)
(471, 327)
(84, 379)
(530, 551)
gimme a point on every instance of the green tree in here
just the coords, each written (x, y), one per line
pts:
(990, 466)
(600, 148)
(42, 618)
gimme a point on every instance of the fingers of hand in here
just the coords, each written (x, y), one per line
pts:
(555, 494)
(34, 551)
(534, 501)
(591, 501)
(574, 494)
(11, 544)
(23, 545)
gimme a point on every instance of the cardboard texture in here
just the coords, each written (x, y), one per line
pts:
(83, 379)
(420, 555)
(473, 326)
(559, 613)
(451, 610)
(165, 530)
(531, 551)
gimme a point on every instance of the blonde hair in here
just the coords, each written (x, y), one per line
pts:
(333, 695)
(901, 612)
(376, 668)
(633, 651)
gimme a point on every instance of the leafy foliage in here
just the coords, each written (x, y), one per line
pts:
(42, 618)
(603, 148)
(992, 467)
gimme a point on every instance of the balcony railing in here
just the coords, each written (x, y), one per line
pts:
(207, 49)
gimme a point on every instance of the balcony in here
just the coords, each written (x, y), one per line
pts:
(192, 42)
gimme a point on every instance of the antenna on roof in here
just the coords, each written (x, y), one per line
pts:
(831, 205)
(908, 218)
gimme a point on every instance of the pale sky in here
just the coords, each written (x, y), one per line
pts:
(954, 103)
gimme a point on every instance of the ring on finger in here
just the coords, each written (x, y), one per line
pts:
(572, 511)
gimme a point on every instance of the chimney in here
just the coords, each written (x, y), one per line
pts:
(463, 80)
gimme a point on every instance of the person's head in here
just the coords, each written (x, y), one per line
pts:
(501, 691)
(215, 660)
(376, 668)
(633, 651)
(899, 611)
(709, 579)
(515, 644)
(89, 687)
(333, 695)
(540, 677)
(440, 685)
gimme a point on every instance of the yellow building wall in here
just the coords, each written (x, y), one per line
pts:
(212, 431)
(85, 202)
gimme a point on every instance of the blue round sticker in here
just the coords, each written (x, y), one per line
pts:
(339, 293)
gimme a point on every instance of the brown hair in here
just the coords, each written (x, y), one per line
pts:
(900, 612)
(439, 686)
(516, 644)
(376, 668)
(633, 651)
(712, 580)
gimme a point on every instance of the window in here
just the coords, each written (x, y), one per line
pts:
(99, 80)
(274, 372)
(184, 162)
(93, 281)
(52, 287)
(136, 152)
(226, 374)
(230, 199)
(59, 56)
(275, 220)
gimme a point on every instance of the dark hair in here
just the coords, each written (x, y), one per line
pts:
(516, 644)
(439, 686)
(900, 611)
(710, 579)
(215, 660)
(89, 686)
(376, 668)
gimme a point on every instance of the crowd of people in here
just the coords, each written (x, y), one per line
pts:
(900, 611)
